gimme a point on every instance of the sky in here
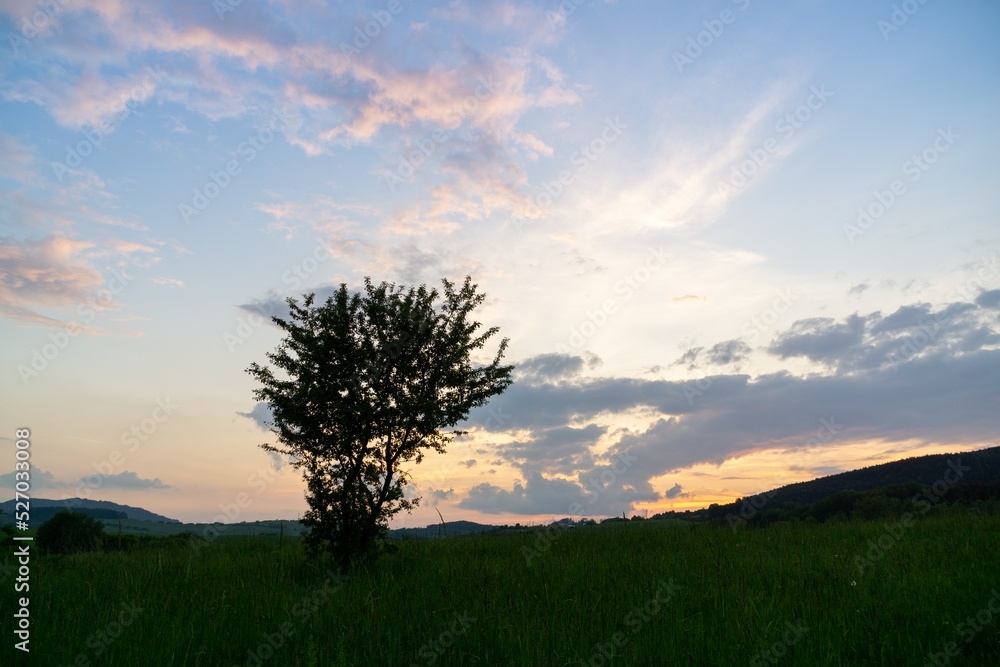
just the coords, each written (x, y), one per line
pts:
(734, 244)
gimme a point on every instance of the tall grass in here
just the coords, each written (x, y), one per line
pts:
(593, 596)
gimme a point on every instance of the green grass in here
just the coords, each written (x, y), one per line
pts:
(738, 593)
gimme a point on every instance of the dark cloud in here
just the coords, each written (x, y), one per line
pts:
(990, 299)
(873, 341)
(277, 306)
(130, 480)
(721, 354)
(728, 352)
(906, 317)
(419, 266)
(594, 496)
(819, 338)
(562, 449)
(676, 491)
(858, 289)
(689, 358)
(438, 495)
(43, 479)
(538, 496)
(555, 366)
(543, 406)
(930, 399)
(40, 479)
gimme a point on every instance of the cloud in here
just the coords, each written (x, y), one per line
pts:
(720, 354)
(557, 405)
(858, 290)
(728, 352)
(921, 374)
(688, 298)
(439, 495)
(689, 358)
(407, 90)
(277, 461)
(674, 492)
(688, 172)
(40, 479)
(876, 340)
(47, 272)
(819, 339)
(563, 449)
(16, 159)
(211, 67)
(989, 299)
(129, 480)
(557, 496)
(173, 282)
(51, 275)
(261, 415)
(555, 366)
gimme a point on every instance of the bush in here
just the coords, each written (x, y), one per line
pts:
(70, 532)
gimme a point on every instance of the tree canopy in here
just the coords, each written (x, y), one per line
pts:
(368, 382)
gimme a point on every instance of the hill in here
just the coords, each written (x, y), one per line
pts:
(447, 529)
(973, 474)
(43, 509)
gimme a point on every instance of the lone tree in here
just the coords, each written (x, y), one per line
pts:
(371, 380)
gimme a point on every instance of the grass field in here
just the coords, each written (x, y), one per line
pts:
(641, 593)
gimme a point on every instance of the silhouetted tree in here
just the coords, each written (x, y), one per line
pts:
(70, 532)
(369, 381)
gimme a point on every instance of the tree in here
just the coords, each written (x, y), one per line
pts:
(371, 381)
(69, 532)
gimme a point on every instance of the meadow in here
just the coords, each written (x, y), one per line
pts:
(628, 593)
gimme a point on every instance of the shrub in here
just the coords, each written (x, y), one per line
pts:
(70, 532)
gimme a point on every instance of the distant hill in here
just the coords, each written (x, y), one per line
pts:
(43, 509)
(447, 529)
(918, 471)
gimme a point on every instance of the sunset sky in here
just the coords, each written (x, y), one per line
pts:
(734, 244)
